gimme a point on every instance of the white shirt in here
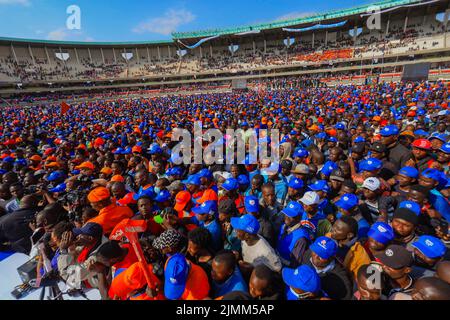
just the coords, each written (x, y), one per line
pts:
(261, 253)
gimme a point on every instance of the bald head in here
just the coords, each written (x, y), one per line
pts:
(431, 288)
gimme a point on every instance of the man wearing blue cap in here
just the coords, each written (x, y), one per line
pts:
(398, 154)
(231, 191)
(193, 184)
(293, 239)
(206, 216)
(428, 252)
(434, 179)
(322, 257)
(443, 158)
(406, 177)
(348, 206)
(270, 207)
(303, 283)
(265, 227)
(295, 190)
(255, 249)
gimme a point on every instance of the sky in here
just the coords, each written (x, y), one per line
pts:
(147, 20)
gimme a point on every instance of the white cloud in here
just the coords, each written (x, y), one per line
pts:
(295, 15)
(167, 23)
(58, 34)
(19, 2)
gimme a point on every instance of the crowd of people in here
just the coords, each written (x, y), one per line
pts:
(361, 188)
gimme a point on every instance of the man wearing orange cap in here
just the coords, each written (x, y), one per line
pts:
(183, 204)
(105, 173)
(87, 168)
(109, 213)
(36, 163)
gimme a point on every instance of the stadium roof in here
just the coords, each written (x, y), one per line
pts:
(386, 4)
(77, 43)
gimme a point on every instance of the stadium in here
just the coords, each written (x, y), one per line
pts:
(100, 201)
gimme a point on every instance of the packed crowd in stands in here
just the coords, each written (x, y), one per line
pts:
(361, 188)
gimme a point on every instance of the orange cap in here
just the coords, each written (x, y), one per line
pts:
(137, 149)
(117, 178)
(98, 194)
(52, 165)
(36, 158)
(86, 165)
(376, 118)
(106, 170)
(51, 159)
(181, 200)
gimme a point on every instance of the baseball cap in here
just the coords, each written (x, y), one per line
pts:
(162, 196)
(347, 201)
(411, 205)
(154, 149)
(390, 130)
(432, 174)
(396, 257)
(136, 149)
(328, 167)
(181, 200)
(381, 232)
(410, 172)
(293, 209)
(117, 178)
(174, 171)
(301, 153)
(332, 139)
(230, 184)
(324, 247)
(89, 229)
(243, 180)
(319, 185)
(251, 204)
(440, 136)
(295, 183)
(86, 165)
(421, 132)
(36, 158)
(359, 139)
(98, 194)
(337, 175)
(176, 274)
(371, 183)
(106, 171)
(340, 126)
(430, 246)
(286, 164)
(148, 192)
(176, 185)
(445, 148)
(193, 179)
(205, 173)
(422, 144)
(207, 207)
(59, 188)
(301, 169)
(57, 175)
(304, 278)
(370, 164)
(310, 198)
(378, 147)
(247, 223)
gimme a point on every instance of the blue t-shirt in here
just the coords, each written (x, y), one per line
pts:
(214, 228)
(235, 283)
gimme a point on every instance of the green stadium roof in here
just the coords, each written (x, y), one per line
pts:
(53, 42)
(292, 22)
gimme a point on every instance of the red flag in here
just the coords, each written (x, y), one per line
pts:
(64, 108)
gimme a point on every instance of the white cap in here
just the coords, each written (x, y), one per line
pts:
(372, 184)
(310, 198)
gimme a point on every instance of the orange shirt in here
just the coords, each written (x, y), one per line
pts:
(208, 195)
(197, 284)
(110, 216)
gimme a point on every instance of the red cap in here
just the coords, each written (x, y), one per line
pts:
(422, 144)
(137, 149)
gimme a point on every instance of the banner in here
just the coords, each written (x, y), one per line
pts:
(317, 27)
(198, 43)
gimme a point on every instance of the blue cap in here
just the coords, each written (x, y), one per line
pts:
(230, 184)
(370, 164)
(20, 162)
(324, 247)
(295, 183)
(175, 274)
(293, 209)
(340, 126)
(149, 192)
(243, 180)
(56, 175)
(328, 167)
(118, 151)
(3, 171)
(445, 148)
(304, 278)
(381, 232)
(207, 207)
(319, 185)
(321, 135)
(359, 140)
(154, 149)
(251, 204)
(175, 171)
(430, 246)
(432, 174)
(421, 133)
(193, 179)
(162, 196)
(410, 172)
(90, 229)
(247, 223)
(244, 124)
(301, 153)
(205, 173)
(440, 136)
(411, 205)
(127, 150)
(8, 159)
(59, 188)
(347, 201)
(390, 130)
